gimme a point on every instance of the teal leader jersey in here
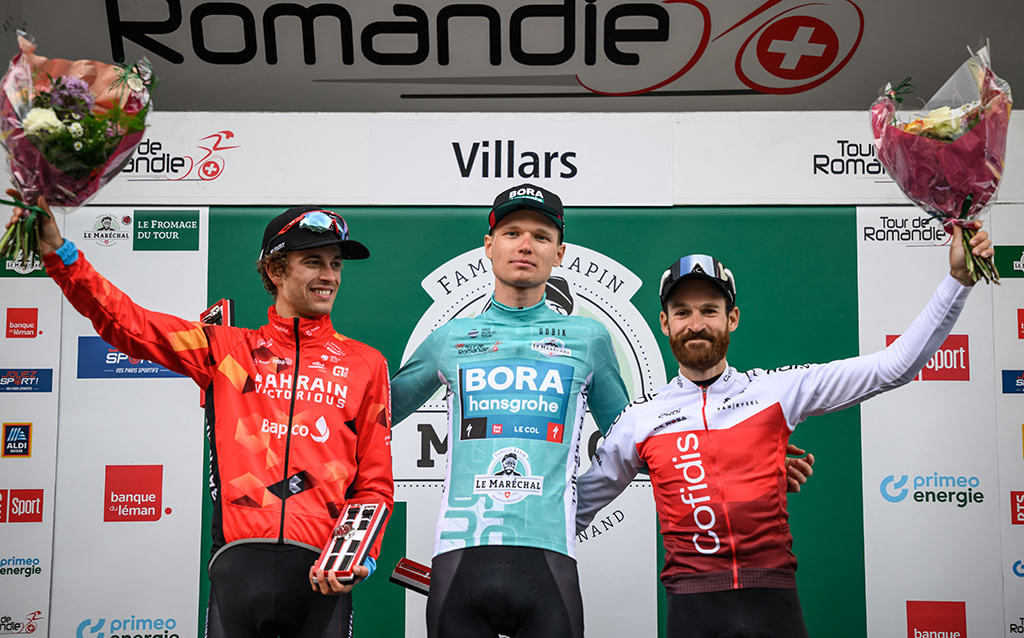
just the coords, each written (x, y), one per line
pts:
(518, 384)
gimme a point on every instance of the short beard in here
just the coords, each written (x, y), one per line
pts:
(703, 357)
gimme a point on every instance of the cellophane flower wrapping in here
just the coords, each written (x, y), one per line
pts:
(69, 127)
(948, 158)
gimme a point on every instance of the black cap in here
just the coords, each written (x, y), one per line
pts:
(529, 197)
(703, 267)
(305, 227)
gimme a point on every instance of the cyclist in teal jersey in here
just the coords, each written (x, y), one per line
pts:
(519, 378)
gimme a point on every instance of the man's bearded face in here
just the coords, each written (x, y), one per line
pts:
(699, 350)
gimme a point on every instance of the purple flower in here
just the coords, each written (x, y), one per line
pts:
(71, 95)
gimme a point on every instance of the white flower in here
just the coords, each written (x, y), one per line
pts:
(41, 121)
(76, 130)
(78, 146)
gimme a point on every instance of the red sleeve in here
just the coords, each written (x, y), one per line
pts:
(173, 342)
(373, 443)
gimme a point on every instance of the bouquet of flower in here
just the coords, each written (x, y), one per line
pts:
(948, 160)
(68, 128)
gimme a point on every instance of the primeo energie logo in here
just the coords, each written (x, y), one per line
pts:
(130, 627)
(934, 488)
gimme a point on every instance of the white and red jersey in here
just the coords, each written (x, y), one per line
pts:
(716, 455)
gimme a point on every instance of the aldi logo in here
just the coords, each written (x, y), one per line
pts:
(936, 619)
(17, 441)
(1013, 381)
(1017, 508)
(133, 493)
(951, 363)
(22, 323)
(21, 506)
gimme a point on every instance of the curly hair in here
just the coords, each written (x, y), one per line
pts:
(276, 262)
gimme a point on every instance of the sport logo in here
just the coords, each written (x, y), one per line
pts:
(133, 493)
(951, 363)
(1017, 508)
(26, 380)
(1013, 381)
(17, 441)
(21, 506)
(551, 347)
(97, 359)
(22, 323)
(508, 478)
(936, 619)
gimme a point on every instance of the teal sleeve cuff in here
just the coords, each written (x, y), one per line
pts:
(371, 565)
(68, 252)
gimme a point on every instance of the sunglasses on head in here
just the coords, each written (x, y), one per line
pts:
(319, 221)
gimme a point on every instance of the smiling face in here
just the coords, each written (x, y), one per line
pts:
(523, 249)
(307, 286)
(698, 326)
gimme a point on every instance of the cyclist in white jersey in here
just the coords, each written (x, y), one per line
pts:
(714, 440)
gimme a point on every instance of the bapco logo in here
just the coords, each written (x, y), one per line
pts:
(934, 488)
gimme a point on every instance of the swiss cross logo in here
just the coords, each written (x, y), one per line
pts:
(1020, 323)
(555, 432)
(951, 363)
(1017, 508)
(22, 323)
(927, 618)
(133, 493)
(21, 506)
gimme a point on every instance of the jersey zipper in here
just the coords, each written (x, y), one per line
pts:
(725, 506)
(288, 438)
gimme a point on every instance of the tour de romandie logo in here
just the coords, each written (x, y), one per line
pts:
(509, 479)
(107, 231)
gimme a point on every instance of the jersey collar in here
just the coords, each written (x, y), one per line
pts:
(315, 329)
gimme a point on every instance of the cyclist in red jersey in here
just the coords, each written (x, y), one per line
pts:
(298, 418)
(714, 440)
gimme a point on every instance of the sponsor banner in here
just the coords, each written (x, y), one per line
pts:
(97, 359)
(222, 158)
(1013, 381)
(21, 506)
(515, 398)
(20, 623)
(128, 627)
(14, 268)
(17, 441)
(1010, 261)
(951, 363)
(468, 159)
(22, 323)
(37, 380)
(1017, 508)
(133, 493)
(936, 619)
(166, 230)
(960, 491)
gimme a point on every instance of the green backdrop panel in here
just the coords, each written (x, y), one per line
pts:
(795, 269)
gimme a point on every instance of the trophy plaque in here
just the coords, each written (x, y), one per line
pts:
(412, 575)
(354, 534)
(221, 313)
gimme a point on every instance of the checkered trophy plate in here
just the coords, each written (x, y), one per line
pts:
(354, 534)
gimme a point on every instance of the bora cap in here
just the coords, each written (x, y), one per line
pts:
(529, 197)
(703, 267)
(305, 227)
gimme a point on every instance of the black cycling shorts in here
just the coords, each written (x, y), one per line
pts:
(737, 613)
(262, 590)
(524, 592)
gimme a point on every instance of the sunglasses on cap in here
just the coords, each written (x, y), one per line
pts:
(319, 221)
(699, 267)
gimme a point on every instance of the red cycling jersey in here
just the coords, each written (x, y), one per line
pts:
(717, 455)
(298, 416)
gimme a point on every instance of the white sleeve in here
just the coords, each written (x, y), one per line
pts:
(613, 467)
(816, 389)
